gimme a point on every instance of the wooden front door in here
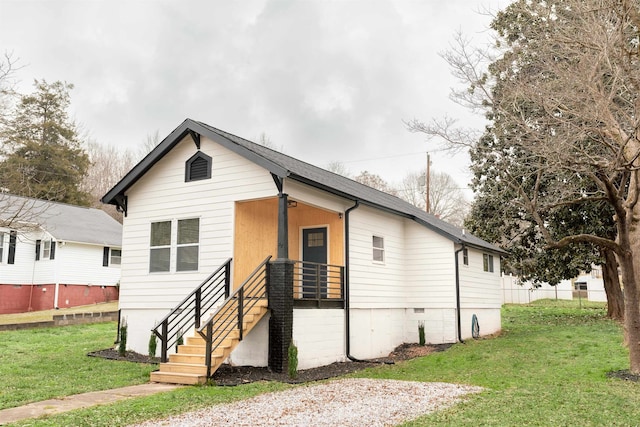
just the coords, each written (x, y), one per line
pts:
(314, 252)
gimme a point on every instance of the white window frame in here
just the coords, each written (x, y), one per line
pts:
(487, 263)
(377, 250)
(113, 257)
(2, 246)
(465, 256)
(195, 244)
(46, 249)
(174, 247)
(160, 247)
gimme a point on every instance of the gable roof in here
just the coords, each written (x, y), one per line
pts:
(284, 166)
(62, 221)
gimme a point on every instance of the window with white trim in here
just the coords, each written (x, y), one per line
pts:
(378, 249)
(465, 256)
(487, 262)
(45, 249)
(116, 257)
(1, 247)
(188, 243)
(178, 239)
(160, 252)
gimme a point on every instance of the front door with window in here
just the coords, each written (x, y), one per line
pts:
(314, 253)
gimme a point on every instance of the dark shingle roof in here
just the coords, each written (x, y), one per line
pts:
(286, 166)
(64, 222)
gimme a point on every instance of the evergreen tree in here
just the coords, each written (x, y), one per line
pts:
(42, 155)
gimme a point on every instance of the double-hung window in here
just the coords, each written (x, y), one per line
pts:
(160, 256)
(188, 243)
(179, 239)
(378, 249)
(487, 262)
(1, 247)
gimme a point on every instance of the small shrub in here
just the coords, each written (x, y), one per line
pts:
(421, 333)
(122, 344)
(153, 344)
(180, 339)
(293, 360)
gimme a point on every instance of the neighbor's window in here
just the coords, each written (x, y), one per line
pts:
(160, 253)
(378, 249)
(1, 247)
(487, 262)
(465, 256)
(116, 256)
(46, 249)
(188, 243)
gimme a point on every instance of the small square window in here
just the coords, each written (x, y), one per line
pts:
(116, 256)
(378, 249)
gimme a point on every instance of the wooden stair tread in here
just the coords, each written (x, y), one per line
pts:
(187, 366)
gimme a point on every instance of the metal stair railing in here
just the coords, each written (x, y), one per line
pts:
(229, 316)
(189, 312)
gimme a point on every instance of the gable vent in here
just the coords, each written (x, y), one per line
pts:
(198, 167)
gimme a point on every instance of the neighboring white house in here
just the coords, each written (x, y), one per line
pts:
(55, 255)
(203, 196)
(588, 286)
(515, 291)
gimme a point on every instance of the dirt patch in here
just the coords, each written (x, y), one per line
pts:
(234, 375)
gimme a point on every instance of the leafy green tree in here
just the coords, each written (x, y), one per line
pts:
(563, 144)
(42, 154)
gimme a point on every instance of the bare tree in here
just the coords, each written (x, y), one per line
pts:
(563, 98)
(108, 165)
(375, 181)
(446, 199)
(339, 168)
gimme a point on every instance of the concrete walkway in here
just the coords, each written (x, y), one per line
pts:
(78, 401)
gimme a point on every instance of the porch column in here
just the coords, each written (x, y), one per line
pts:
(281, 305)
(283, 226)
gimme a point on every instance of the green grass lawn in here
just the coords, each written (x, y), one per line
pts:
(39, 364)
(547, 368)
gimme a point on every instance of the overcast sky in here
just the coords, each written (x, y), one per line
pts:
(323, 80)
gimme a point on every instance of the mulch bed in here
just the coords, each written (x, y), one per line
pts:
(228, 375)
(624, 375)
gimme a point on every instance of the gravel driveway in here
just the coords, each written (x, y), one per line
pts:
(348, 402)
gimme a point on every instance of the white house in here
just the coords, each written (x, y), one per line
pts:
(353, 271)
(55, 255)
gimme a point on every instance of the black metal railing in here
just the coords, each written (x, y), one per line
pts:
(189, 312)
(318, 282)
(229, 317)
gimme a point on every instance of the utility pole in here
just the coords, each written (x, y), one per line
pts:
(427, 183)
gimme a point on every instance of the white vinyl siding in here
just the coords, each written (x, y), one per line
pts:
(479, 289)
(162, 194)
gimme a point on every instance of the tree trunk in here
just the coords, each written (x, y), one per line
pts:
(629, 241)
(615, 298)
